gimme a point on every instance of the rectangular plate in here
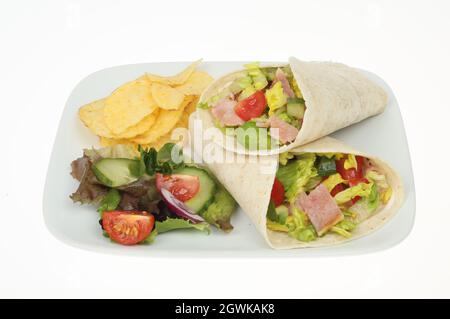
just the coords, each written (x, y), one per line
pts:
(383, 136)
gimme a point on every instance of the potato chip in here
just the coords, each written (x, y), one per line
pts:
(192, 106)
(165, 122)
(182, 123)
(166, 97)
(196, 83)
(139, 128)
(92, 116)
(128, 105)
(105, 142)
(178, 79)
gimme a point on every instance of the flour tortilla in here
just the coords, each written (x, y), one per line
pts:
(335, 95)
(251, 182)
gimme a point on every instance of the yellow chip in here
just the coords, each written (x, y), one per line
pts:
(139, 128)
(105, 142)
(192, 106)
(182, 123)
(165, 122)
(196, 83)
(166, 97)
(128, 105)
(92, 116)
(178, 79)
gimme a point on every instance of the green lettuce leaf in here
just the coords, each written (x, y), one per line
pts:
(151, 238)
(220, 210)
(110, 201)
(116, 151)
(178, 223)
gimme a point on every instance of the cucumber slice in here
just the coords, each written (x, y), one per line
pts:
(115, 172)
(296, 108)
(206, 192)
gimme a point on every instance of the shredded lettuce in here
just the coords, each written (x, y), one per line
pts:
(332, 181)
(295, 88)
(350, 162)
(253, 137)
(306, 234)
(271, 212)
(337, 156)
(295, 225)
(258, 77)
(299, 228)
(362, 190)
(387, 195)
(286, 118)
(296, 174)
(283, 158)
(203, 106)
(373, 200)
(246, 93)
(377, 178)
(276, 226)
(275, 97)
(178, 223)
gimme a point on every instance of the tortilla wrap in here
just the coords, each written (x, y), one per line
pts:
(335, 95)
(251, 182)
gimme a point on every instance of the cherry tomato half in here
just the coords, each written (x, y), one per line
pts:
(337, 189)
(128, 227)
(350, 173)
(183, 187)
(251, 107)
(277, 194)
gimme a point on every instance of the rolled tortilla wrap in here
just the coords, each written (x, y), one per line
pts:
(251, 182)
(335, 95)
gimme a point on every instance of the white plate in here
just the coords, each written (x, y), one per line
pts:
(76, 225)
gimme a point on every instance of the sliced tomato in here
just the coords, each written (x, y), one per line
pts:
(337, 189)
(351, 173)
(277, 194)
(183, 187)
(128, 227)
(251, 107)
(356, 181)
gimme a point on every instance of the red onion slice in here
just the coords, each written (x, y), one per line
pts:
(179, 208)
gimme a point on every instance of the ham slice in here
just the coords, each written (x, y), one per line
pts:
(321, 208)
(280, 76)
(224, 112)
(281, 130)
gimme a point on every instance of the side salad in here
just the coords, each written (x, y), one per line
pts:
(319, 193)
(140, 193)
(264, 97)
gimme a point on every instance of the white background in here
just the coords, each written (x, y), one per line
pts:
(47, 47)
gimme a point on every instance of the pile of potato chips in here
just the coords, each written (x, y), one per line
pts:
(146, 111)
